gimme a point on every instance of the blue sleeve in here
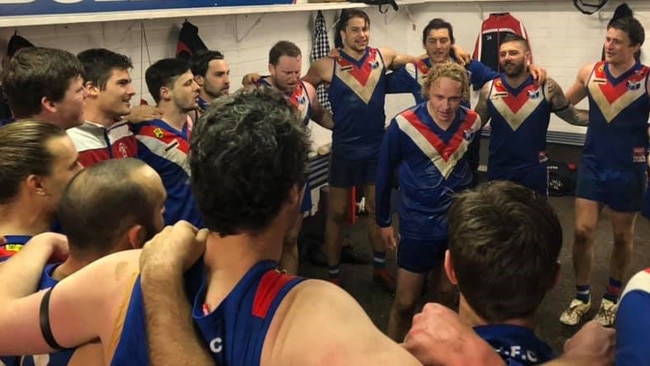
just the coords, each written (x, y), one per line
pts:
(632, 324)
(400, 81)
(480, 74)
(389, 157)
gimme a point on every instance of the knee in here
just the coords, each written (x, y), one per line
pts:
(583, 234)
(337, 214)
(623, 240)
(404, 306)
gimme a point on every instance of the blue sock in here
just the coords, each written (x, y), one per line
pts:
(583, 293)
(379, 260)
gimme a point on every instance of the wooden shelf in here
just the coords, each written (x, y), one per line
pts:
(33, 20)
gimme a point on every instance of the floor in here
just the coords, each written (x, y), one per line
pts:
(357, 278)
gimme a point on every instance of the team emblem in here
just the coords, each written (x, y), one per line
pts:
(158, 132)
(533, 94)
(468, 134)
(301, 100)
(633, 85)
(123, 150)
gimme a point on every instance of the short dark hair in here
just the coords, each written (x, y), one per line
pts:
(201, 60)
(504, 241)
(99, 64)
(23, 152)
(247, 151)
(435, 24)
(164, 73)
(516, 38)
(632, 27)
(37, 72)
(283, 48)
(102, 202)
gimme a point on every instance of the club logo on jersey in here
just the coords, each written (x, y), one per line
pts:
(374, 64)
(158, 132)
(123, 150)
(533, 94)
(468, 134)
(301, 100)
(13, 247)
(633, 85)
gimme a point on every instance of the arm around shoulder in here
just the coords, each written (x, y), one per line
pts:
(325, 320)
(320, 72)
(578, 91)
(72, 307)
(563, 108)
(481, 107)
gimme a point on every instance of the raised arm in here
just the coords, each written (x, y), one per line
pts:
(321, 71)
(74, 305)
(163, 261)
(562, 108)
(327, 321)
(319, 114)
(578, 91)
(249, 81)
(481, 107)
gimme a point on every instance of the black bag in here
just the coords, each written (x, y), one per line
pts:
(589, 6)
(561, 178)
(189, 41)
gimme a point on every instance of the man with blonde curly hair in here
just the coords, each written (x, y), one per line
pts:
(427, 145)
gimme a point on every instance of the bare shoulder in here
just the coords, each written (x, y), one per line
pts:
(325, 319)
(585, 70)
(117, 266)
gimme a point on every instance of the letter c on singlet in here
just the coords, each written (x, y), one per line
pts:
(215, 345)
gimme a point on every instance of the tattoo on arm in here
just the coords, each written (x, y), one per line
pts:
(561, 106)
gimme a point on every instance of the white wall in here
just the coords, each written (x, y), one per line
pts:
(562, 38)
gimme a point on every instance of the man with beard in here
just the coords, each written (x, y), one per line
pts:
(112, 206)
(285, 61)
(164, 143)
(520, 111)
(212, 73)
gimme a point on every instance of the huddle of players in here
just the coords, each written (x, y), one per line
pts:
(436, 134)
